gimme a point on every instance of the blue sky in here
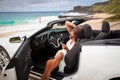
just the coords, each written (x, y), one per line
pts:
(43, 5)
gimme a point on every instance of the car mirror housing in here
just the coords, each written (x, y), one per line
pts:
(15, 40)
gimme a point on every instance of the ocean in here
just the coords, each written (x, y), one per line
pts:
(14, 18)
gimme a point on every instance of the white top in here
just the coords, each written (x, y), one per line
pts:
(62, 64)
(70, 44)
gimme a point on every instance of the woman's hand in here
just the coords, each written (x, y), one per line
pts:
(65, 47)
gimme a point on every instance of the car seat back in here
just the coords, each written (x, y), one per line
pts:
(105, 31)
(72, 57)
(87, 32)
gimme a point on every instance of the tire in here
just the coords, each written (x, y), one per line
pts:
(4, 54)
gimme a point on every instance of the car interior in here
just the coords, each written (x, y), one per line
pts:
(45, 45)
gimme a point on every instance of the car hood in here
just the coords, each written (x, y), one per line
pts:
(11, 48)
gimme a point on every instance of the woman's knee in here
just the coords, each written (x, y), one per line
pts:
(59, 56)
(49, 61)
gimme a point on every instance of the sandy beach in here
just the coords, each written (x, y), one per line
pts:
(95, 23)
(7, 31)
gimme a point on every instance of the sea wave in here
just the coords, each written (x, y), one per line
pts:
(27, 21)
(26, 24)
(2, 23)
(14, 22)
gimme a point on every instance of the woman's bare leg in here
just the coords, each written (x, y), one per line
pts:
(55, 62)
(48, 64)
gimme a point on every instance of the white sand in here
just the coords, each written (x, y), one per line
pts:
(97, 22)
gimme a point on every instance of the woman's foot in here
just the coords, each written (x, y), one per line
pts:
(47, 77)
(42, 78)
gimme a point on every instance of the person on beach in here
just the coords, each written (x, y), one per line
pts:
(39, 19)
(75, 33)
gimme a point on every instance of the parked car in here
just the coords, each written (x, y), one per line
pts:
(96, 58)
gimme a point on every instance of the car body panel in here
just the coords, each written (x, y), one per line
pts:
(12, 75)
(97, 61)
(11, 48)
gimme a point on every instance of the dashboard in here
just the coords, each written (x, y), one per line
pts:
(53, 37)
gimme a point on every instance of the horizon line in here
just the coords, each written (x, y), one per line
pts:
(33, 11)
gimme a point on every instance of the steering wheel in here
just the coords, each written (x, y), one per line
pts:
(55, 39)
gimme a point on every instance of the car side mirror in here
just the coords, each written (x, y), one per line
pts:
(15, 40)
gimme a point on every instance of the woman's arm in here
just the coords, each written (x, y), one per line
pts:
(69, 26)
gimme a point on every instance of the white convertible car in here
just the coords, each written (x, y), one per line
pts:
(95, 57)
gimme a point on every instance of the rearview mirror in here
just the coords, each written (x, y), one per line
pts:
(15, 40)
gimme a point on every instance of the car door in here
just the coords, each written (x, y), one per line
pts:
(22, 61)
(101, 58)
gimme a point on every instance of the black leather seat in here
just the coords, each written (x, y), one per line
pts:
(72, 57)
(87, 33)
(105, 31)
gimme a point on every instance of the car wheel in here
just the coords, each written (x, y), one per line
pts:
(3, 57)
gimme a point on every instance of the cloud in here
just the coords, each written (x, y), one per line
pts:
(49, 5)
(32, 5)
(42, 5)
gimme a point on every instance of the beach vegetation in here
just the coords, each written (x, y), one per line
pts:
(114, 18)
(111, 7)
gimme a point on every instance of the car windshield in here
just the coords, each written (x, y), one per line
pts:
(59, 26)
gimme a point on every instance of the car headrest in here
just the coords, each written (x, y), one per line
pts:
(87, 32)
(105, 27)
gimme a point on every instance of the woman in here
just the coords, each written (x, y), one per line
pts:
(75, 33)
